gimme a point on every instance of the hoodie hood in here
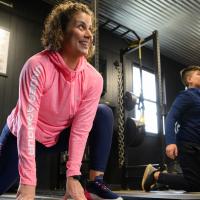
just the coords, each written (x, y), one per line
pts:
(59, 63)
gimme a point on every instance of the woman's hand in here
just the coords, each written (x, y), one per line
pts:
(25, 192)
(74, 189)
(172, 151)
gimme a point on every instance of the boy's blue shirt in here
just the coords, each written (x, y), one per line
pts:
(186, 111)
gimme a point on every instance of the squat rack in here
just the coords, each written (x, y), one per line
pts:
(158, 76)
(130, 35)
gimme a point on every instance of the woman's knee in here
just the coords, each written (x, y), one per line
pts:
(105, 112)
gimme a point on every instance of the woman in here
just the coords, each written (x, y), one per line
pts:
(59, 92)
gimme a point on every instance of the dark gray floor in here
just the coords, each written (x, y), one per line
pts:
(169, 194)
(129, 195)
(11, 197)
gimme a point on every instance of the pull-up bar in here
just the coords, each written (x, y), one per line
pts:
(133, 46)
(128, 30)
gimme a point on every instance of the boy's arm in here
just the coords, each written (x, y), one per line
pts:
(179, 106)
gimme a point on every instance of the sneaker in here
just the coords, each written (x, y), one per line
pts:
(97, 190)
(148, 180)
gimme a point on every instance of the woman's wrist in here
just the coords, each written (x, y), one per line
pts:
(75, 177)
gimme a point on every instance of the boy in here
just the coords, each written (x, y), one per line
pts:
(186, 143)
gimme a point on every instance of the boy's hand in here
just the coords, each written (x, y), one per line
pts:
(172, 151)
(25, 192)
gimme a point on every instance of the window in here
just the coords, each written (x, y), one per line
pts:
(4, 43)
(149, 93)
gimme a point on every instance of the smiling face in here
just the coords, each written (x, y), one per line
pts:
(193, 79)
(78, 36)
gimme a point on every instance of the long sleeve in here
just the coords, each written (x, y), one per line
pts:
(182, 102)
(82, 124)
(30, 91)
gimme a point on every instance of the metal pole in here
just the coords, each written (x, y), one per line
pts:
(159, 90)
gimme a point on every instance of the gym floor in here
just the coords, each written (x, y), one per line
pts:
(127, 195)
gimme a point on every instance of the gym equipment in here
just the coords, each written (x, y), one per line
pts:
(130, 135)
(135, 132)
(130, 100)
(121, 114)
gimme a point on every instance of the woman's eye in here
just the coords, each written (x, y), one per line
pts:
(81, 27)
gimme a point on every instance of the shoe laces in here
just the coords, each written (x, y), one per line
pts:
(101, 184)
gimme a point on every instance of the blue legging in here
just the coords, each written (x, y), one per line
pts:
(100, 139)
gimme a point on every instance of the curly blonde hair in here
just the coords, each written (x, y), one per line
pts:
(57, 21)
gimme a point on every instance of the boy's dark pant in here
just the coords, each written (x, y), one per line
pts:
(189, 158)
(100, 139)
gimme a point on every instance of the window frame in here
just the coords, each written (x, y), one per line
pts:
(4, 56)
(146, 99)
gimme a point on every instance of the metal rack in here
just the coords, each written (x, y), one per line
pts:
(122, 31)
(159, 88)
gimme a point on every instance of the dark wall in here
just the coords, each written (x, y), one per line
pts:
(25, 22)
(150, 151)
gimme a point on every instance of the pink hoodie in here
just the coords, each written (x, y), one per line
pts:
(53, 97)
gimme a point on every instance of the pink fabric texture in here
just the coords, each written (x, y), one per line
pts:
(53, 97)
